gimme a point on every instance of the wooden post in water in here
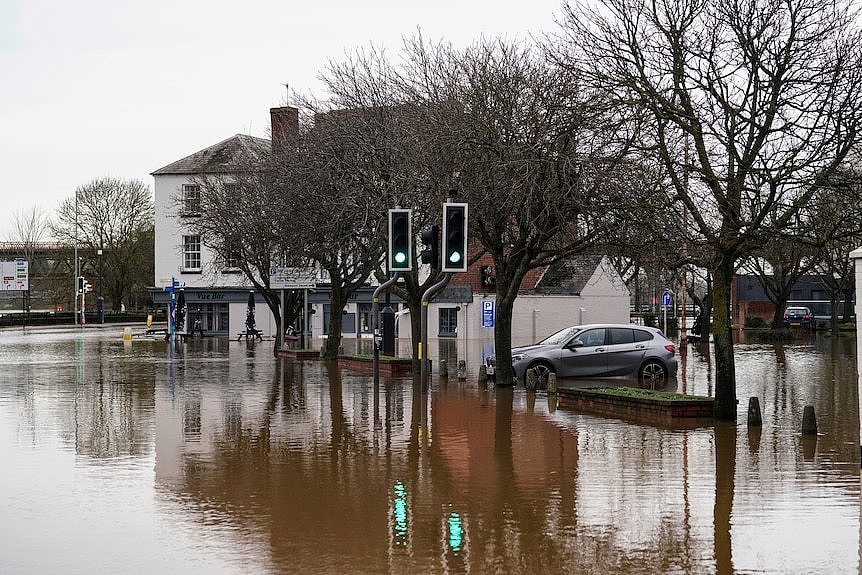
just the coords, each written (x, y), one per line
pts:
(483, 375)
(809, 421)
(552, 383)
(444, 369)
(754, 417)
(532, 380)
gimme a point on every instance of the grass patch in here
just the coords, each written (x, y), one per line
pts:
(369, 357)
(636, 393)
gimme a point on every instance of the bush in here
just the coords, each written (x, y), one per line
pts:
(650, 319)
(755, 322)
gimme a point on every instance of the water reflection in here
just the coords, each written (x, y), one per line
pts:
(253, 464)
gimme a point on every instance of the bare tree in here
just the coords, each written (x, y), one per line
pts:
(766, 91)
(116, 216)
(778, 266)
(239, 220)
(541, 161)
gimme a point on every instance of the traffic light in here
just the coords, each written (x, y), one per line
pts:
(431, 240)
(454, 237)
(80, 284)
(400, 241)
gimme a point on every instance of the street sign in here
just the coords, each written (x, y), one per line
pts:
(292, 278)
(665, 299)
(14, 276)
(488, 313)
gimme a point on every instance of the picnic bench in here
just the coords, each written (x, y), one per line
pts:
(250, 333)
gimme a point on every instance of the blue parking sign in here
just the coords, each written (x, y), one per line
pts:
(487, 313)
(665, 299)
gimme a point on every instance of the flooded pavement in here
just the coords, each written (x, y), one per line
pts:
(212, 457)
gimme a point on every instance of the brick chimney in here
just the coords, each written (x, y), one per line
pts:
(285, 127)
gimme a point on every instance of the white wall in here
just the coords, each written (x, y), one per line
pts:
(170, 228)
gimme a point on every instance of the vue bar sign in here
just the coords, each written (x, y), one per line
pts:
(14, 276)
(487, 313)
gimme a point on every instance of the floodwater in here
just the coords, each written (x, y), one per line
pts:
(213, 457)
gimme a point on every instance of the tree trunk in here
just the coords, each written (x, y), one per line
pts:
(503, 341)
(778, 317)
(725, 372)
(833, 315)
(336, 320)
(274, 303)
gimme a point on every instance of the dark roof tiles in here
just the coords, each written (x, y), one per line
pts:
(219, 158)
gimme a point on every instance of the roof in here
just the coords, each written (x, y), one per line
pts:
(568, 276)
(219, 158)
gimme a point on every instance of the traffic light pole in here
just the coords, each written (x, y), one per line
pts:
(423, 344)
(375, 318)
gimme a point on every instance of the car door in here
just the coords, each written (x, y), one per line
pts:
(585, 358)
(624, 354)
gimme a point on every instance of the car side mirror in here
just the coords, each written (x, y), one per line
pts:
(576, 343)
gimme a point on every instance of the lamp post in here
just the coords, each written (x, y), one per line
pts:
(77, 271)
(100, 302)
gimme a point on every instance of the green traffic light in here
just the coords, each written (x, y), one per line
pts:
(455, 257)
(400, 257)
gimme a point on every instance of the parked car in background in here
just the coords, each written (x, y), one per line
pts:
(796, 315)
(599, 350)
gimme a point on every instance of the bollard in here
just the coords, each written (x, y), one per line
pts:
(809, 421)
(444, 369)
(127, 334)
(552, 382)
(754, 418)
(531, 380)
(483, 375)
(462, 369)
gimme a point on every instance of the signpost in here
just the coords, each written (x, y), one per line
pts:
(487, 313)
(14, 276)
(292, 278)
(172, 311)
(665, 303)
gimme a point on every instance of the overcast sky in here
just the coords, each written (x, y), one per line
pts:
(122, 88)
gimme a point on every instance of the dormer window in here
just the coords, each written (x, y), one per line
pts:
(191, 200)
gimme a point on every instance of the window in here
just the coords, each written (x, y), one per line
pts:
(191, 199)
(641, 335)
(231, 256)
(593, 337)
(448, 322)
(191, 253)
(621, 335)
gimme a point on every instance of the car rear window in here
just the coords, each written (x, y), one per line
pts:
(621, 335)
(641, 335)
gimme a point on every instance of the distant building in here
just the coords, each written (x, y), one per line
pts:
(749, 298)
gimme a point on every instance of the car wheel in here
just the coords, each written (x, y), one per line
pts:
(653, 372)
(542, 371)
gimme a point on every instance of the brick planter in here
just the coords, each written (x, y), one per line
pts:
(400, 367)
(300, 354)
(659, 411)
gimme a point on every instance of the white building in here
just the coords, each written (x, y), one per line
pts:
(216, 292)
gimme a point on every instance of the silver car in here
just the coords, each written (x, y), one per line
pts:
(599, 350)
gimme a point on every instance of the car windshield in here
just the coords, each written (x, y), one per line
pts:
(561, 336)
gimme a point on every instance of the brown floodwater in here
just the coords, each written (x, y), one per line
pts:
(214, 457)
